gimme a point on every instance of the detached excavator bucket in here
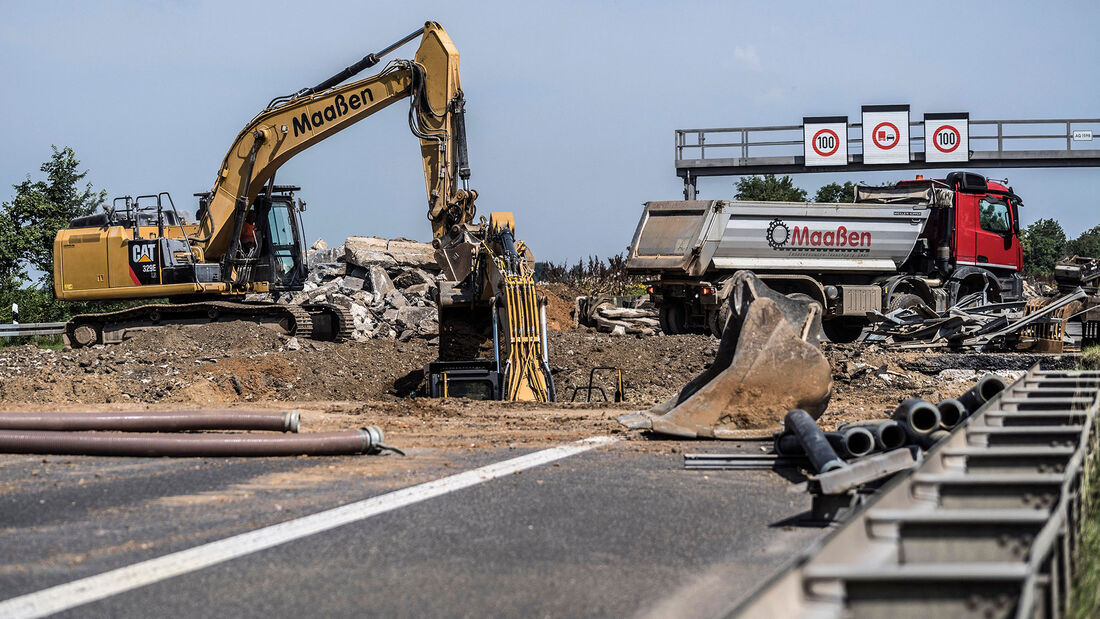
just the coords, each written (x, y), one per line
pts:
(768, 363)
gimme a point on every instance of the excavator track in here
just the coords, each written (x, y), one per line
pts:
(114, 327)
(331, 323)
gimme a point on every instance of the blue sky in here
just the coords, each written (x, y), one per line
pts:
(571, 105)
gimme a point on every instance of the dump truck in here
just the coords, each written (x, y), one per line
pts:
(921, 241)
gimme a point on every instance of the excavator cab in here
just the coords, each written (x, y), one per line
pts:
(269, 244)
(279, 230)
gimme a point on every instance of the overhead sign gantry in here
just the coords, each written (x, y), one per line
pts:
(886, 138)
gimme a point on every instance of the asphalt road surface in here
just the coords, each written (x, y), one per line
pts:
(620, 529)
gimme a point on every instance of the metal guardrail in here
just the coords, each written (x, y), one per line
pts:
(986, 526)
(778, 149)
(32, 328)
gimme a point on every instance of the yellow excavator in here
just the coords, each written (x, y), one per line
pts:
(248, 237)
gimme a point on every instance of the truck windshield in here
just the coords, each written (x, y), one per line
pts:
(993, 215)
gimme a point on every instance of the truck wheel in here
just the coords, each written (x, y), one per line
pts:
(672, 319)
(843, 330)
(903, 301)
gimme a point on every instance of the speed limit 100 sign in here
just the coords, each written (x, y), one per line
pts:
(825, 140)
(947, 137)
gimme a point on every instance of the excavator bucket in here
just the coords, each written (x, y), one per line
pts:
(768, 362)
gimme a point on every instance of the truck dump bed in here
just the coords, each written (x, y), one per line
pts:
(693, 237)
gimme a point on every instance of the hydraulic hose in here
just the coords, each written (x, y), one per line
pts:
(152, 421)
(368, 440)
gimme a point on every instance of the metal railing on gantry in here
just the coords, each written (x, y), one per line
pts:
(1028, 143)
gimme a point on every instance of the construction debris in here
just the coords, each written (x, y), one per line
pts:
(617, 315)
(1078, 272)
(389, 286)
(1038, 324)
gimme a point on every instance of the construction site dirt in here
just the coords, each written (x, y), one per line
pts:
(375, 382)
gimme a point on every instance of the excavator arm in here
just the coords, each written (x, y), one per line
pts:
(292, 124)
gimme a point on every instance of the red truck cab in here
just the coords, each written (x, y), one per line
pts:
(979, 233)
(986, 228)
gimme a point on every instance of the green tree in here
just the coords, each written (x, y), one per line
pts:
(1088, 244)
(769, 188)
(1043, 244)
(28, 225)
(835, 192)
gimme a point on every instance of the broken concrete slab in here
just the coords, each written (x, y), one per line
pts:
(412, 253)
(366, 251)
(413, 277)
(352, 283)
(380, 282)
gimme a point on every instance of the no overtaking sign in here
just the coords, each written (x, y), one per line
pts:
(885, 134)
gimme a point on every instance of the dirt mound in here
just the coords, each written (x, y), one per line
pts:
(559, 305)
(653, 368)
(221, 362)
(238, 361)
(234, 337)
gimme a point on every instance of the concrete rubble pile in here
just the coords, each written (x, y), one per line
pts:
(389, 286)
(617, 315)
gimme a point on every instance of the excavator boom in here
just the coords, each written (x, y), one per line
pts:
(292, 124)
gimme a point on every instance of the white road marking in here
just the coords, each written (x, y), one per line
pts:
(86, 590)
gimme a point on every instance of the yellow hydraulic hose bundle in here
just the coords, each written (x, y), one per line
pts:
(525, 379)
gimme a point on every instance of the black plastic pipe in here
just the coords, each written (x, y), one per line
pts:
(153, 421)
(813, 441)
(347, 442)
(855, 442)
(888, 433)
(987, 387)
(920, 416)
(849, 443)
(952, 413)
